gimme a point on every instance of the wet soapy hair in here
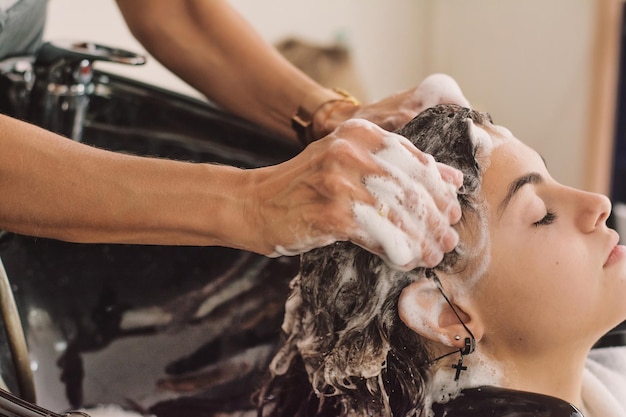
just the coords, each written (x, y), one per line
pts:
(346, 351)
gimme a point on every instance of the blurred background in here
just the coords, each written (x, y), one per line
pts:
(540, 68)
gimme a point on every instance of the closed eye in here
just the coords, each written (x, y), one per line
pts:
(549, 218)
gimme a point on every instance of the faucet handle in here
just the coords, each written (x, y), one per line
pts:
(58, 51)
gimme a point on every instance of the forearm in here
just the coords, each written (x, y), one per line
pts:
(57, 188)
(215, 50)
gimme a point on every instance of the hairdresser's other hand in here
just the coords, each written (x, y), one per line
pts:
(362, 184)
(395, 111)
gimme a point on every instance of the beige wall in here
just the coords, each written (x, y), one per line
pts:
(388, 55)
(528, 63)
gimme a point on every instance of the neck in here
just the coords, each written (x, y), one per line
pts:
(554, 372)
(560, 378)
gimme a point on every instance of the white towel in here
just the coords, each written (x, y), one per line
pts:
(604, 383)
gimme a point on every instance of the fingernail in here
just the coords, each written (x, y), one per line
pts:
(434, 259)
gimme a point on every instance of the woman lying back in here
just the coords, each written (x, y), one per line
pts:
(513, 312)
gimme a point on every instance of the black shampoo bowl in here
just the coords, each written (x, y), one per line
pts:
(162, 330)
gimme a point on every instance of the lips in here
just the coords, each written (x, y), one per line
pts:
(615, 249)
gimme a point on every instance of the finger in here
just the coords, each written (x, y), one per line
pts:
(431, 229)
(407, 229)
(434, 246)
(442, 188)
(423, 157)
(450, 174)
(407, 207)
(400, 249)
(377, 234)
(362, 133)
(414, 169)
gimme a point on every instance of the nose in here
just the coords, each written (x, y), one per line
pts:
(594, 210)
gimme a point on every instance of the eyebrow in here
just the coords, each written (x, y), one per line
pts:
(516, 185)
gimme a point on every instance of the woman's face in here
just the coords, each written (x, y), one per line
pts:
(556, 277)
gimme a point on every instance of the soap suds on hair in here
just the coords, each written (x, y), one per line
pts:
(485, 142)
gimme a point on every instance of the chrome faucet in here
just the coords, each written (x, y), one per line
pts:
(63, 83)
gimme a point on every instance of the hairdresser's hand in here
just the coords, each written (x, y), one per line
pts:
(362, 184)
(395, 111)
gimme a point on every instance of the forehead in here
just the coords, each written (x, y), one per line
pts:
(511, 159)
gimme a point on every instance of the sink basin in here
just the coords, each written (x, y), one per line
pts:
(158, 329)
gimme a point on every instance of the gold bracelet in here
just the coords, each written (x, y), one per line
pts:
(302, 121)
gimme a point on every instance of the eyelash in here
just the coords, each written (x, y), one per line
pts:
(549, 218)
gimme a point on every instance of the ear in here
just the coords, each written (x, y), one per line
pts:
(424, 310)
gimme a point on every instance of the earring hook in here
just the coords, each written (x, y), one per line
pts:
(469, 342)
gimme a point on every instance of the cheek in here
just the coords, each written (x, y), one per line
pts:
(562, 264)
(541, 261)
(533, 272)
(533, 283)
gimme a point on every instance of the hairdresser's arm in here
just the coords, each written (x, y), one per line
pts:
(57, 188)
(54, 187)
(209, 45)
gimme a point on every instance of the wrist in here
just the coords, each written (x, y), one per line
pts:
(224, 220)
(331, 114)
(239, 222)
(320, 112)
